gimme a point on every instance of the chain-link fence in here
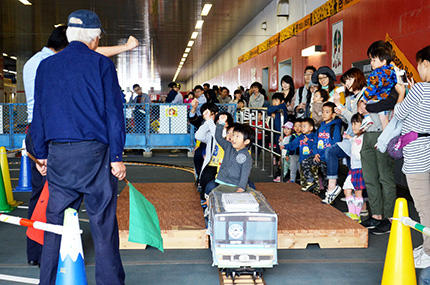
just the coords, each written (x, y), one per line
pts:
(147, 126)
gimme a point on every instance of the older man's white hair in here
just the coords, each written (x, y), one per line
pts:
(82, 35)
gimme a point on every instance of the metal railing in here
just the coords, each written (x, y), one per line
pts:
(263, 125)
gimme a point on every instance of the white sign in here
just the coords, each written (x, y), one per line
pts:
(337, 47)
(173, 119)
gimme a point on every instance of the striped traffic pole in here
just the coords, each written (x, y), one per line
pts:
(56, 229)
(416, 226)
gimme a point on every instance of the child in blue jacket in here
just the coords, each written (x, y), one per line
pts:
(328, 134)
(306, 142)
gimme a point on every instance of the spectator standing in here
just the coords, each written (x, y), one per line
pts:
(141, 98)
(139, 110)
(172, 92)
(224, 98)
(256, 99)
(190, 97)
(304, 95)
(179, 99)
(57, 41)
(287, 84)
(326, 78)
(414, 110)
(354, 82)
(78, 126)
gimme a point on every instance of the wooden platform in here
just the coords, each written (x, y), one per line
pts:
(178, 207)
(303, 219)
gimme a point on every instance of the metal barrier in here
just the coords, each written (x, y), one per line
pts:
(148, 126)
(261, 126)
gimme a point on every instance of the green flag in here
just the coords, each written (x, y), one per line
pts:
(144, 226)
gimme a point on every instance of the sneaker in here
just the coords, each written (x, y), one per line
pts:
(353, 217)
(370, 223)
(422, 260)
(366, 123)
(310, 186)
(383, 228)
(418, 251)
(277, 179)
(330, 197)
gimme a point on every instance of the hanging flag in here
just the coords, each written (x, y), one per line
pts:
(39, 214)
(144, 226)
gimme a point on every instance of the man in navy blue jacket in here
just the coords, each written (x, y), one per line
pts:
(78, 133)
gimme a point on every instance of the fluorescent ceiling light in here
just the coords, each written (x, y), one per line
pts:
(194, 35)
(190, 43)
(312, 50)
(206, 9)
(187, 49)
(58, 25)
(5, 54)
(199, 24)
(183, 59)
(25, 2)
(185, 55)
(13, 57)
(5, 70)
(13, 72)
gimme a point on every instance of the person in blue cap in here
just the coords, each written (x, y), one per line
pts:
(57, 41)
(78, 133)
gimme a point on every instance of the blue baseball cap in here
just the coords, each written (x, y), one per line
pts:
(84, 19)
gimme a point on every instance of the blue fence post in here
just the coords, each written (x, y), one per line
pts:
(147, 129)
(11, 115)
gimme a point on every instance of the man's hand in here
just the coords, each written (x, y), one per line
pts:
(222, 119)
(401, 90)
(240, 190)
(132, 42)
(338, 111)
(194, 105)
(42, 169)
(336, 97)
(118, 169)
(411, 82)
(317, 158)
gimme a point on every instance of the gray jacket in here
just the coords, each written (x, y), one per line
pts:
(236, 165)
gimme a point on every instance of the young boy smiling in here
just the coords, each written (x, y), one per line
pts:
(237, 163)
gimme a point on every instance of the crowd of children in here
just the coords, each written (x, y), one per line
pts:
(319, 128)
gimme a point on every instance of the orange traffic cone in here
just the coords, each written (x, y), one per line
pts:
(39, 214)
(399, 268)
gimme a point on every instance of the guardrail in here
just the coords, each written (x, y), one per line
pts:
(148, 126)
(263, 125)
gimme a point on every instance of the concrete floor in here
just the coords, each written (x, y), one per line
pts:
(309, 266)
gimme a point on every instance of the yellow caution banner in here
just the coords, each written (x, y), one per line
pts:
(343, 4)
(253, 52)
(328, 9)
(401, 61)
(273, 41)
(263, 46)
(303, 24)
(287, 33)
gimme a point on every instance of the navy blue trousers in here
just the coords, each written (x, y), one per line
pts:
(79, 171)
(34, 249)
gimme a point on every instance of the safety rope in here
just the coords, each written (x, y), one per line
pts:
(171, 166)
